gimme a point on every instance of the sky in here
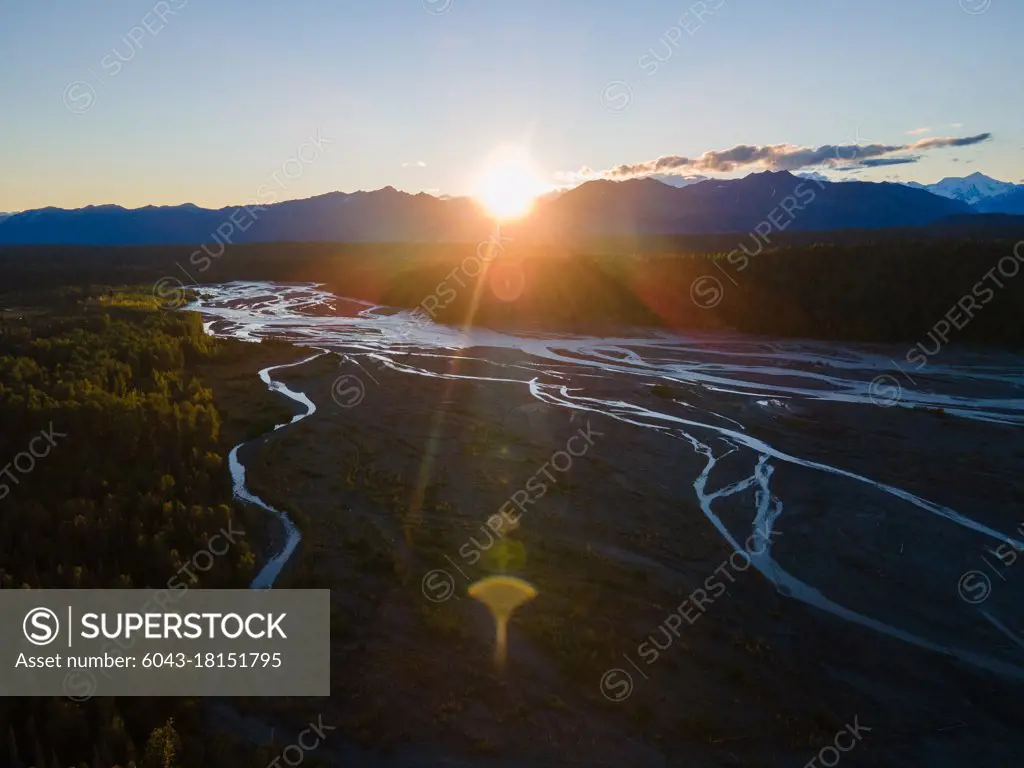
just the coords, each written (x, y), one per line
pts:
(136, 102)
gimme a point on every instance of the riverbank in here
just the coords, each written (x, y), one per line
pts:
(249, 414)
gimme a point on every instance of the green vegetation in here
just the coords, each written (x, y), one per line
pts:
(132, 484)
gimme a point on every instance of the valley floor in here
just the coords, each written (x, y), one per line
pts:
(649, 643)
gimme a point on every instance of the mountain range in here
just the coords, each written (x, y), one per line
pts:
(978, 190)
(595, 208)
(646, 206)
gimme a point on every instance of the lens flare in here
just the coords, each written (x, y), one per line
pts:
(502, 595)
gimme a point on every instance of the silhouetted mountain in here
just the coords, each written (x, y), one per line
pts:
(384, 215)
(678, 181)
(1011, 202)
(778, 200)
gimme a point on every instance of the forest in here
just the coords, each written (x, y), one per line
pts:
(113, 476)
(871, 285)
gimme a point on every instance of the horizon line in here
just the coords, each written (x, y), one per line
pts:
(554, 190)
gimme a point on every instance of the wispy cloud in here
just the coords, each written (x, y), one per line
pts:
(878, 162)
(778, 157)
(918, 131)
(417, 164)
(939, 143)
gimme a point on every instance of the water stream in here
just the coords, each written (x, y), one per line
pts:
(268, 574)
(767, 374)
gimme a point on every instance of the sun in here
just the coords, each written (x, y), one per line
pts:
(508, 184)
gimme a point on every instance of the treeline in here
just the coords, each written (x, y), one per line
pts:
(869, 292)
(113, 476)
(879, 292)
(881, 285)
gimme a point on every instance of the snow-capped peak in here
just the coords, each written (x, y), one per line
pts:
(970, 189)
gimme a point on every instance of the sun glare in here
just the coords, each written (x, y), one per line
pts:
(509, 184)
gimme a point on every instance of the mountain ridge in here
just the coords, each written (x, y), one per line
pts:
(594, 208)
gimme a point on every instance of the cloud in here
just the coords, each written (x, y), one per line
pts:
(417, 164)
(918, 131)
(777, 157)
(878, 162)
(957, 125)
(937, 143)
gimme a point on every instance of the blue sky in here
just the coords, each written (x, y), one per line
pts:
(209, 103)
